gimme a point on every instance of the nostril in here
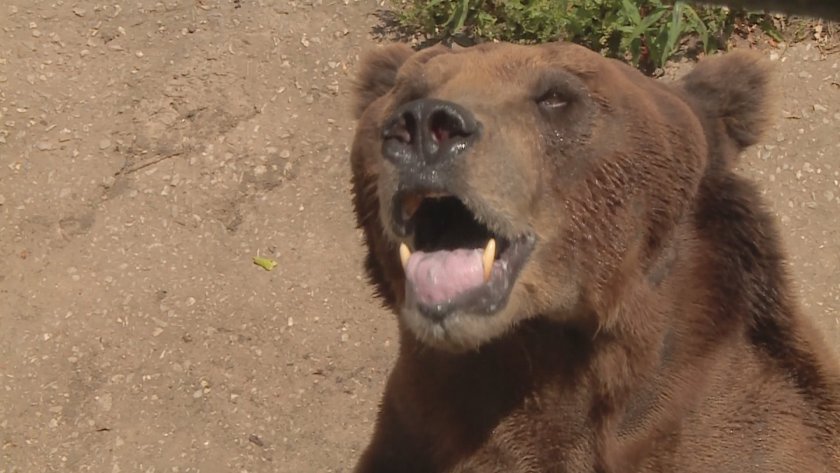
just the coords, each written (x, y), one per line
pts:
(445, 124)
(400, 129)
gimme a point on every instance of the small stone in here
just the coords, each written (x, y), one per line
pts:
(198, 393)
(254, 439)
(84, 52)
(105, 144)
(829, 196)
(139, 54)
(285, 154)
(819, 108)
(105, 401)
(36, 33)
(2, 199)
(80, 12)
(44, 146)
(260, 170)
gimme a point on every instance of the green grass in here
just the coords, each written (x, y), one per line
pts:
(646, 33)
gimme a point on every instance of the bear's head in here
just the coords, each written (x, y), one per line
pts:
(502, 182)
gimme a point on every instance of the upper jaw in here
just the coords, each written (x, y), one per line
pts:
(455, 261)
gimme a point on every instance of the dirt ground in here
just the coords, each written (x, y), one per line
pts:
(149, 149)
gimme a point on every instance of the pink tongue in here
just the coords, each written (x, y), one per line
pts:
(440, 276)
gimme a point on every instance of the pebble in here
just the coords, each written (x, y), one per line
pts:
(105, 401)
(104, 144)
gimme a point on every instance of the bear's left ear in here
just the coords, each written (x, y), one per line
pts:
(737, 89)
(377, 74)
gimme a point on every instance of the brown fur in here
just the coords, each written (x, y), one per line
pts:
(653, 328)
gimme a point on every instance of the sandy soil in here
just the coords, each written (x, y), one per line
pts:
(150, 149)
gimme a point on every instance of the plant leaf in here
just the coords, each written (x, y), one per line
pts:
(265, 263)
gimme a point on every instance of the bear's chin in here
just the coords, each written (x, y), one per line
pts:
(460, 331)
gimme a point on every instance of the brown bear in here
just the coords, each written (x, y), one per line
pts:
(582, 282)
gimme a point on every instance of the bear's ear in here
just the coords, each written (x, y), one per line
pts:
(737, 89)
(377, 74)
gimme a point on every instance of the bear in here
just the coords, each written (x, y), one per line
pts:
(582, 281)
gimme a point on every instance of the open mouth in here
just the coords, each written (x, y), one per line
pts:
(453, 261)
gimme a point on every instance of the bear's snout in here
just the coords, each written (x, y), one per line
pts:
(428, 134)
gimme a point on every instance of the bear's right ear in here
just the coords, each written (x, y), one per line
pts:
(738, 89)
(377, 74)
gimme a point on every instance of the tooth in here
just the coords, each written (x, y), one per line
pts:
(405, 253)
(487, 259)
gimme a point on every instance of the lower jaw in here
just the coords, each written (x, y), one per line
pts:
(459, 331)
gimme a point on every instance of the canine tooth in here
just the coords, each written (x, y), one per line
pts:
(488, 257)
(405, 253)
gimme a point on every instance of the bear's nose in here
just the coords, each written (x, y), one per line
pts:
(428, 132)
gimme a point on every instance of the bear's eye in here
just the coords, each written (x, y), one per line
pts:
(553, 100)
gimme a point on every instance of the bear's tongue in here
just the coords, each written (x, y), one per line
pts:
(440, 276)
